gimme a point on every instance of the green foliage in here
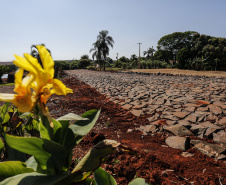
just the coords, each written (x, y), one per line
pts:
(51, 154)
(62, 65)
(118, 64)
(149, 53)
(85, 57)
(10, 68)
(155, 64)
(138, 181)
(74, 65)
(124, 59)
(11, 168)
(83, 63)
(101, 47)
(193, 51)
(101, 177)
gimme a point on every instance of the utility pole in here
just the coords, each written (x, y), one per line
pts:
(139, 55)
(117, 57)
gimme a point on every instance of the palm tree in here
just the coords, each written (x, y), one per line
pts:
(96, 52)
(149, 52)
(101, 46)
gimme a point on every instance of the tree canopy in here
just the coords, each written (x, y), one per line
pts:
(191, 50)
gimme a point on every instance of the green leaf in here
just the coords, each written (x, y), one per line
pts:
(82, 127)
(71, 116)
(11, 168)
(103, 178)
(4, 113)
(14, 155)
(1, 146)
(49, 155)
(32, 163)
(92, 160)
(138, 181)
(32, 126)
(90, 181)
(5, 108)
(37, 179)
(26, 114)
(46, 131)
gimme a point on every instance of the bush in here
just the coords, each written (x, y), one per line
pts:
(83, 63)
(118, 64)
(74, 65)
(62, 65)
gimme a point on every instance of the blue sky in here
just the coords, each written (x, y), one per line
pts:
(70, 27)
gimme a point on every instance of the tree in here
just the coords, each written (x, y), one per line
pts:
(97, 52)
(176, 41)
(101, 46)
(149, 52)
(85, 57)
(133, 58)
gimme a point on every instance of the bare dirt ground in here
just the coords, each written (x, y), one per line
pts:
(145, 156)
(182, 72)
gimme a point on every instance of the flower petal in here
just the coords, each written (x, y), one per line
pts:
(59, 88)
(47, 61)
(7, 97)
(24, 64)
(34, 62)
(23, 103)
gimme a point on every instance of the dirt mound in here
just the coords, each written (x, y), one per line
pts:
(143, 156)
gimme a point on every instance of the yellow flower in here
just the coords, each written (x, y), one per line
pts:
(38, 85)
(23, 99)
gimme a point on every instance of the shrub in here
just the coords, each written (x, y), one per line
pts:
(83, 63)
(74, 65)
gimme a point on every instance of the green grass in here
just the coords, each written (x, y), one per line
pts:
(9, 84)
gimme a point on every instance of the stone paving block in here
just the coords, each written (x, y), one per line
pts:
(178, 142)
(179, 130)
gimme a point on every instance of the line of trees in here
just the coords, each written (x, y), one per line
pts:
(183, 50)
(191, 50)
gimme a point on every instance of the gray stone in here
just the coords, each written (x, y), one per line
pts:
(220, 137)
(169, 122)
(136, 112)
(126, 106)
(178, 142)
(198, 129)
(180, 114)
(221, 157)
(194, 142)
(215, 109)
(186, 154)
(192, 118)
(209, 132)
(209, 125)
(148, 129)
(185, 123)
(211, 150)
(179, 130)
(222, 122)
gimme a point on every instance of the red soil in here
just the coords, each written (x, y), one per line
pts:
(147, 156)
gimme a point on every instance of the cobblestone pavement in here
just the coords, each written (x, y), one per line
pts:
(182, 105)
